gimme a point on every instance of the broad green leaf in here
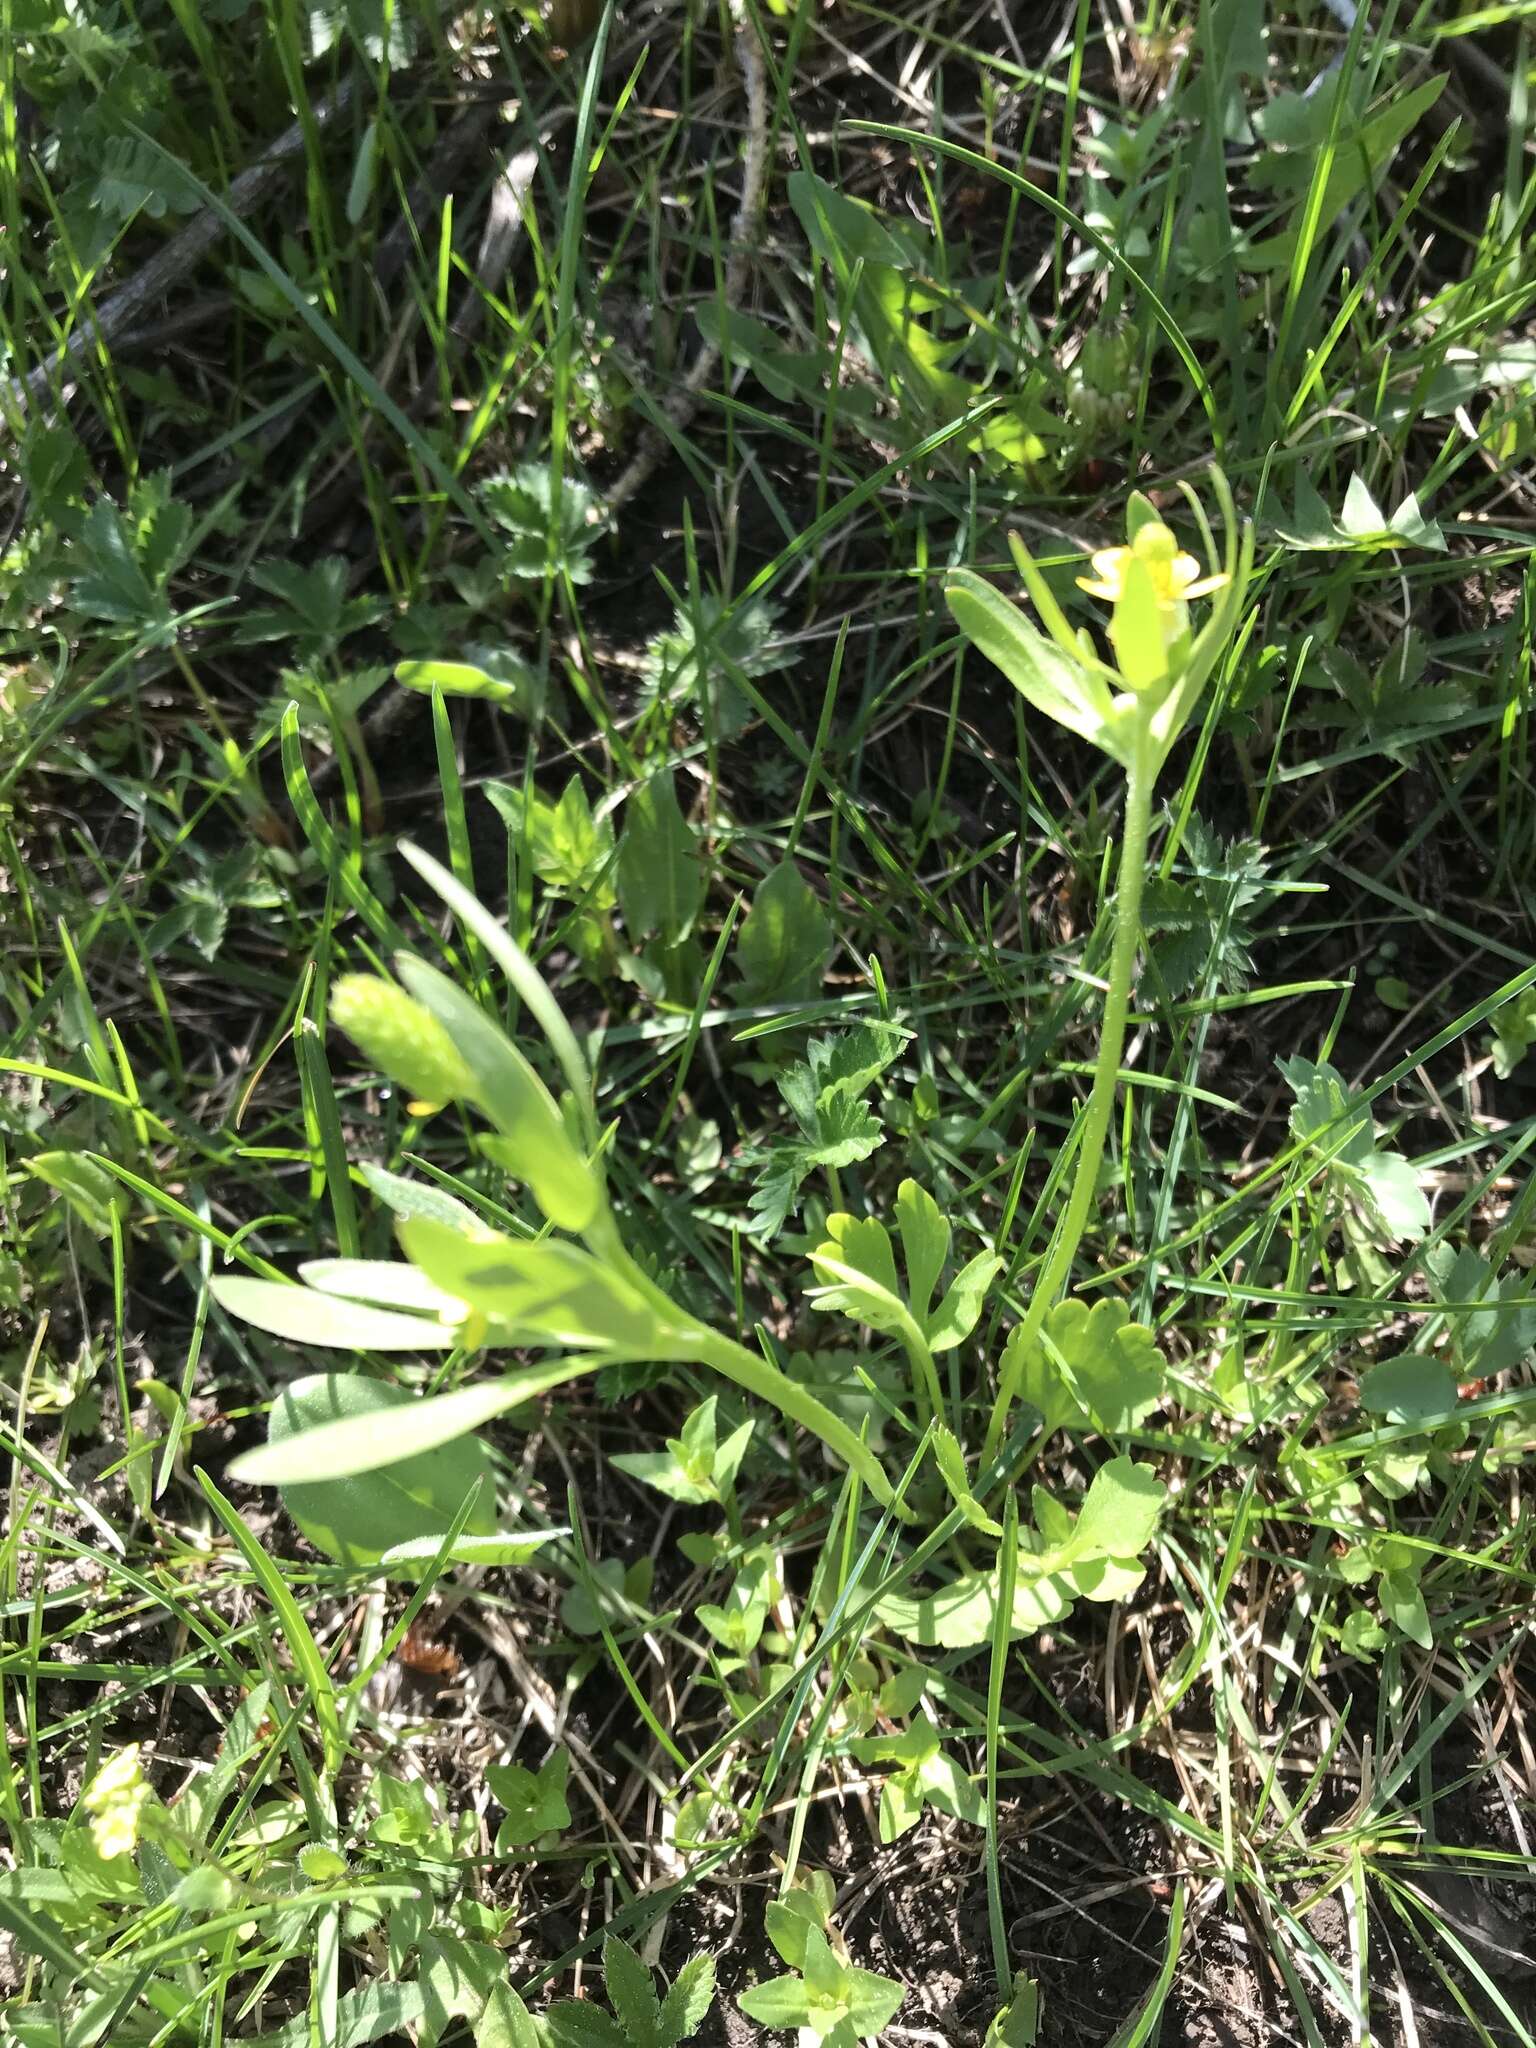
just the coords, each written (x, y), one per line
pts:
(961, 1615)
(1018, 2024)
(782, 2002)
(570, 848)
(784, 941)
(848, 1062)
(1120, 1512)
(660, 881)
(1402, 1602)
(1398, 1205)
(901, 1805)
(301, 1315)
(1104, 1578)
(360, 1433)
(688, 2001)
(362, 2016)
(786, 1921)
(89, 1189)
(873, 2001)
(578, 2023)
(949, 1788)
(506, 2022)
(925, 1236)
(1092, 1369)
(355, 1517)
(458, 1978)
(382, 1283)
(1409, 1388)
(960, 1310)
(845, 231)
(546, 1292)
(826, 1975)
(663, 1471)
(1358, 159)
(417, 1197)
(539, 1148)
(1323, 1112)
(1044, 675)
(534, 1801)
(857, 1268)
(320, 1864)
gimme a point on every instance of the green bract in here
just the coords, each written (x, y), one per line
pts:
(1162, 665)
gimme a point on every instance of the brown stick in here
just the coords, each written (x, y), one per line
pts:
(182, 253)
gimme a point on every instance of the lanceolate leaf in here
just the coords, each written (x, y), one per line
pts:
(783, 944)
(548, 1292)
(304, 1316)
(540, 1150)
(340, 1425)
(1048, 678)
(660, 881)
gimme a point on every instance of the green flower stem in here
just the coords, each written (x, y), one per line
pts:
(683, 1341)
(1141, 773)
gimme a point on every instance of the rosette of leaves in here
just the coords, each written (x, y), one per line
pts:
(545, 536)
(699, 661)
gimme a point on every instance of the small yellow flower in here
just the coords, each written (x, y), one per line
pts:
(1175, 576)
(115, 1799)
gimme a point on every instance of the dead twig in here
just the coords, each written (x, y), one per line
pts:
(683, 403)
(130, 305)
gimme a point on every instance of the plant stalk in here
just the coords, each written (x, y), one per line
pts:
(1140, 776)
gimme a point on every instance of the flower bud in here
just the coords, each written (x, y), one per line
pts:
(402, 1038)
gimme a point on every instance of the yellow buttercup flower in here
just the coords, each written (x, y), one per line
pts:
(115, 1799)
(1175, 576)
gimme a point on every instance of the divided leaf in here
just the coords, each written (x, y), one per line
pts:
(856, 1266)
(1091, 1368)
(1382, 1186)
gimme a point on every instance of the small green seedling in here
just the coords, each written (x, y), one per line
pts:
(639, 2018)
(466, 1287)
(1373, 1195)
(694, 1468)
(533, 1802)
(737, 1623)
(925, 1774)
(1017, 2025)
(1396, 1567)
(823, 1995)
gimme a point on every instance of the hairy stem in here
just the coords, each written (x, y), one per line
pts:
(1101, 1100)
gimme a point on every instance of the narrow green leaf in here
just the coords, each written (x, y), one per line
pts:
(302, 1315)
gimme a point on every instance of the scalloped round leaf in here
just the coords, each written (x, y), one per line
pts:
(961, 1615)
